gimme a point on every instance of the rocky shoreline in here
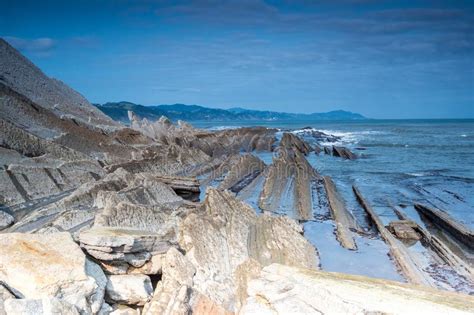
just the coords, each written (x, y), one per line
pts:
(155, 218)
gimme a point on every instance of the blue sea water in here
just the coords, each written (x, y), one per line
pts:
(400, 162)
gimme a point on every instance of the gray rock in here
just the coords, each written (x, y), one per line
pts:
(172, 294)
(225, 234)
(5, 220)
(129, 289)
(44, 306)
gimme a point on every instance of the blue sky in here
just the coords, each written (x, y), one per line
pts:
(384, 59)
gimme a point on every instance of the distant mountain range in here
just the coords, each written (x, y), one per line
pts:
(118, 111)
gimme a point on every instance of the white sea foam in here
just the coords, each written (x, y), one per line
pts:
(219, 128)
(349, 137)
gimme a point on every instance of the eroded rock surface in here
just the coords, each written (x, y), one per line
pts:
(46, 266)
(226, 233)
(287, 290)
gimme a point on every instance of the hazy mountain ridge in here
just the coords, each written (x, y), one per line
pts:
(118, 111)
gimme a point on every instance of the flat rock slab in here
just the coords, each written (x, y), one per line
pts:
(46, 266)
(443, 220)
(110, 239)
(286, 290)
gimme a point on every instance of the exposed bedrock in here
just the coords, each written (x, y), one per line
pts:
(186, 187)
(226, 233)
(119, 197)
(345, 221)
(440, 249)
(211, 143)
(21, 75)
(242, 172)
(343, 152)
(288, 290)
(290, 171)
(38, 266)
(23, 183)
(290, 141)
(409, 267)
(448, 224)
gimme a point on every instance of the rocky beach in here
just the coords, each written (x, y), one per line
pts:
(162, 217)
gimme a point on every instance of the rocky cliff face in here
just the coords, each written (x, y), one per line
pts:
(19, 74)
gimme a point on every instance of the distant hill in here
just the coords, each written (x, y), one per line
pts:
(118, 111)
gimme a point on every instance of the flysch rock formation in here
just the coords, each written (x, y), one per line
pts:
(99, 218)
(289, 176)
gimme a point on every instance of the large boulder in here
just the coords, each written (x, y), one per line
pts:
(128, 289)
(49, 266)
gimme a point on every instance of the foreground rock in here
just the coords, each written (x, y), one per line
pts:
(123, 248)
(285, 290)
(51, 266)
(128, 289)
(43, 306)
(221, 239)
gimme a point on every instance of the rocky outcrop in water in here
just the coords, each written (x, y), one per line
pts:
(289, 172)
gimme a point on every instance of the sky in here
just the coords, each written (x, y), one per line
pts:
(380, 58)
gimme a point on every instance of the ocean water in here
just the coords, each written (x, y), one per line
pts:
(400, 162)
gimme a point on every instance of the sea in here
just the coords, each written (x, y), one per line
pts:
(401, 162)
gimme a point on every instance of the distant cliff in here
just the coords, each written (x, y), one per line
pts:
(118, 111)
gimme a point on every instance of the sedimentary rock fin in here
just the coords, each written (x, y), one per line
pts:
(17, 185)
(186, 187)
(398, 251)
(445, 222)
(303, 198)
(343, 152)
(345, 222)
(242, 173)
(290, 141)
(441, 249)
